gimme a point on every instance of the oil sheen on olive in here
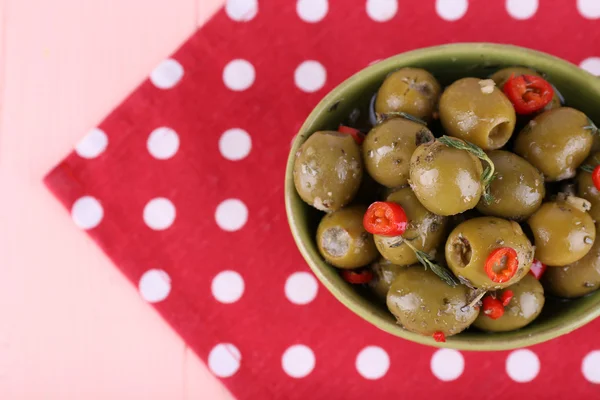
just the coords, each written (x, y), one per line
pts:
(423, 303)
(328, 170)
(501, 76)
(471, 242)
(577, 279)
(410, 90)
(517, 190)
(447, 181)
(342, 239)
(526, 304)
(384, 273)
(562, 233)
(586, 188)
(556, 142)
(388, 147)
(482, 115)
(425, 230)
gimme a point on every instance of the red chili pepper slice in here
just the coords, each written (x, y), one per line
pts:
(502, 256)
(439, 337)
(357, 277)
(385, 218)
(596, 177)
(537, 269)
(492, 307)
(355, 133)
(506, 297)
(528, 93)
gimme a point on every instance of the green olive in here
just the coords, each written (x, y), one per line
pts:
(501, 76)
(423, 303)
(577, 279)
(328, 170)
(556, 142)
(517, 190)
(526, 304)
(563, 233)
(478, 112)
(471, 242)
(425, 230)
(447, 181)
(410, 90)
(384, 273)
(586, 188)
(388, 147)
(343, 241)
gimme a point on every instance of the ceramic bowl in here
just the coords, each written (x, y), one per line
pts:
(447, 63)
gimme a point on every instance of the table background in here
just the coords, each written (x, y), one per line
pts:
(71, 326)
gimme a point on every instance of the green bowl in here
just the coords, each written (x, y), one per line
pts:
(447, 63)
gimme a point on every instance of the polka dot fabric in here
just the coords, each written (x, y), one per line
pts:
(182, 186)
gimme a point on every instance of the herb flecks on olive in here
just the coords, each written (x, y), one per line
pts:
(469, 112)
(517, 190)
(328, 170)
(434, 228)
(576, 279)
(516, 310)
(446, 180)
(422, 232)
(556, 142)
(469, 246)
(562, 233)
(384, 273)
(424, 304)
(588, 184)
(388, 147)
(413, 91)
(488, 174)
(342, 240)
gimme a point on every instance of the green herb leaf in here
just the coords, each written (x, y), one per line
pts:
(586, 168)
(440, 271)
(487, 196)
(474, 296)
(400, 240)
(488, 174)
(396, 114)
(591, 126)
(397, 243)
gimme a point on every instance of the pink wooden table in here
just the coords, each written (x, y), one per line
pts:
(72, 327)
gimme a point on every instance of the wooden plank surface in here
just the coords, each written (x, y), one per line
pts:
(72, 327)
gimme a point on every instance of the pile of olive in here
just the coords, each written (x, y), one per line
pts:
(471, 213)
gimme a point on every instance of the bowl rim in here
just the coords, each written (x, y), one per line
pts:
(450, 50)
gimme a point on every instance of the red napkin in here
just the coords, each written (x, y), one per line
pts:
(182, 186)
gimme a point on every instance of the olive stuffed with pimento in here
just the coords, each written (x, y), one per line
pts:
(444, 247)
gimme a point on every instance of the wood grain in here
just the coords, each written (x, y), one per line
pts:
(72, 326)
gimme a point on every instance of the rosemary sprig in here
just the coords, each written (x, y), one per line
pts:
(488, 172)
(476, 295)
(591, 126)
(393, 114)
(586, 168)
(425, 259)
